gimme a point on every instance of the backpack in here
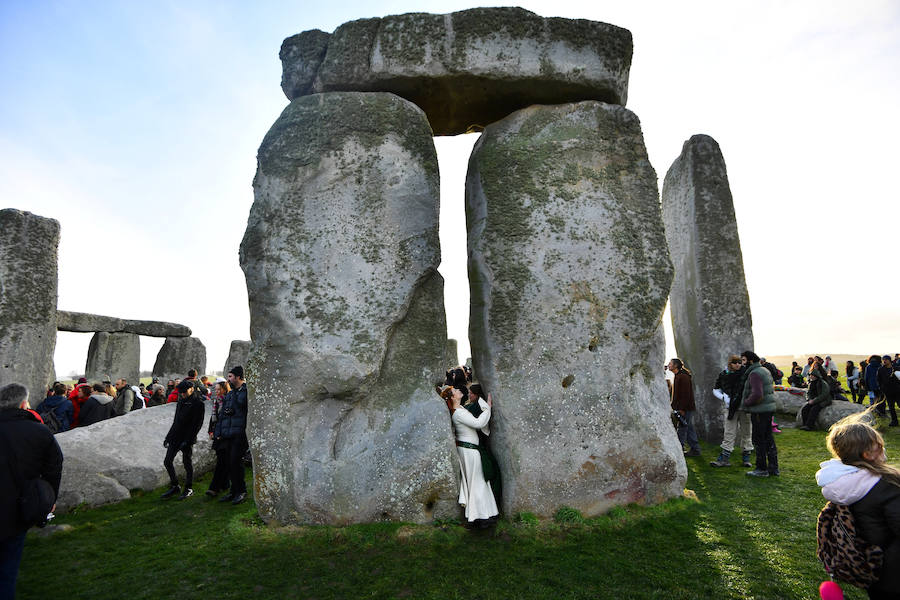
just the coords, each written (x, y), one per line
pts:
(48, 416)
(845, 556)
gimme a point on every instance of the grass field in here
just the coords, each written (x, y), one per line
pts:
(741, 538)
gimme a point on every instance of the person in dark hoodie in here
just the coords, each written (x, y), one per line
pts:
(859, 477)
(60, 406)
(29, 451)
(98, 407)
(189, 413)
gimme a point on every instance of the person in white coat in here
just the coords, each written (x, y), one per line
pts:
(475, 493)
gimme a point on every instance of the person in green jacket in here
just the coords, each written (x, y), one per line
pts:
(759, 400)
(818, 397)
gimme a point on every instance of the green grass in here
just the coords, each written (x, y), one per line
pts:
(742, 538)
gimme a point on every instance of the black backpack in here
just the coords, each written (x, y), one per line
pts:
(846, 556)
(48, 416)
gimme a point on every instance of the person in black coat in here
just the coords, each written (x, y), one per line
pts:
(189, 413)
(231, 433)
(890, 387)
(29, 451)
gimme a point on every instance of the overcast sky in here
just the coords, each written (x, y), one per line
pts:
(136, 125)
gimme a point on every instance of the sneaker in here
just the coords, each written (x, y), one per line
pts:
(721, 461)
(239, 498)
(758, 473)
(227, 497)
(774, 473)
(745, 460)
(692, 453)
(170, 492)
(187, 493)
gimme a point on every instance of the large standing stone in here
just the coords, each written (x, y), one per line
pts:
(346, 316)
(114, 355)
(238, 354)
(464, 69)
(569, 276)
(177, 356)
(107, 459)
(28, 291)
(709, 302)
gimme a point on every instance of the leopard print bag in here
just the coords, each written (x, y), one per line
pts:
(846, 557)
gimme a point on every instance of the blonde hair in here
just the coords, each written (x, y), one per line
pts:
(852, 436)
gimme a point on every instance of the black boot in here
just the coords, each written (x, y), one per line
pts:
(170, 492)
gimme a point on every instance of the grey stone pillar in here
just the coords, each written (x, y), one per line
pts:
(238, 353)
(114, 355)
(28, 293)
(347, 316)
(569, 277)
(178, 355)
(709, 302)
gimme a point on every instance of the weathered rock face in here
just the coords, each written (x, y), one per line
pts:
(569, 277)
(464, 69)
(709, 302)
(107, 459)
(177, 356)
(28, 292)
(114, 355)
(833, 413)
(85, 322)
(238, 354)
(346, 316)
(786, 402)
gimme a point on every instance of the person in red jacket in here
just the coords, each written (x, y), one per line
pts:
(78, 398)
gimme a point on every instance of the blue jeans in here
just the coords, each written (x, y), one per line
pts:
(10, 557)
(687, 431)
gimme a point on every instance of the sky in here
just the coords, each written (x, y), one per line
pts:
(136, 126)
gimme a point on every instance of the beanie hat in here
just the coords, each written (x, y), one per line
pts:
(237, 371)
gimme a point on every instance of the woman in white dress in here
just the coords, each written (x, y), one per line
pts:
(475, 492)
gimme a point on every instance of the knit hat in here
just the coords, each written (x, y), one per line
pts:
(184, 385)
(237, 371)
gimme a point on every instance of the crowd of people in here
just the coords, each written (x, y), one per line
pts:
(31, 453)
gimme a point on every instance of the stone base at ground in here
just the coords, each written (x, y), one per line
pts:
(106, 460)
(833, 413)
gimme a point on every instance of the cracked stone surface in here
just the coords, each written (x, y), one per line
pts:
(113, 355)
(709, 302)
(107, 459)
(347, 317)
(28, 292)
(464, 69)
(569, 277)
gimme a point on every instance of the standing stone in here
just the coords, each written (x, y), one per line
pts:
(238, 354)
(569, 276)
(28, 292)
(177, 356)
(114, 355)
(347, 316)
(709, 302)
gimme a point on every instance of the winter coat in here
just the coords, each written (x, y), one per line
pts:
(98, 407)
(62, 407)
(796, 381)
(756, 373)
(730, 383)
(872, 377)
(888, 383)
(819, 392)
(683, 392)
(232, 418)
(875, 505)
(189, 413)
(36, 454)
(124, 401)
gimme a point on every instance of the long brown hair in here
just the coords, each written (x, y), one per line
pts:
(850, 437)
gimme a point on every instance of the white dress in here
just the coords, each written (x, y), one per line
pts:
(474, 492)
